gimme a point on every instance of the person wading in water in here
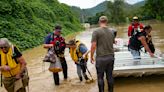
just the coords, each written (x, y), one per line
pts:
(102, 41)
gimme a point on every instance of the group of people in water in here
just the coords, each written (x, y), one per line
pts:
(13, 65)
(140, 36)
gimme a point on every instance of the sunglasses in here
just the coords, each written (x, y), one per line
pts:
(3, 47)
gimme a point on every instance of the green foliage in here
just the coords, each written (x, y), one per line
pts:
(114, 11)
(134, 10)
(117, 14)
(97, 9)
(153, 9)
(95, 19)
(27, 22)
(85, 14)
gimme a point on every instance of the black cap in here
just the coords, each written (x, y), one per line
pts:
(58, 27)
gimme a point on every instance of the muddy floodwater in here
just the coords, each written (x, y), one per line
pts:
(41, 79)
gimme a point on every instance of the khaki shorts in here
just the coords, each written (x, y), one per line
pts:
(9, 84)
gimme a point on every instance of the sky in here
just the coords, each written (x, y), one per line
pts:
(89, 3)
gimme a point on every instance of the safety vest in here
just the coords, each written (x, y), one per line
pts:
(76, 54)
(59, 44)
(133, 27)
(7, 59)
(135, 30)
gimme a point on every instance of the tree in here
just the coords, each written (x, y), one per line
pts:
(154, 9)
(115, 11)
(26, 22)
(95, 19)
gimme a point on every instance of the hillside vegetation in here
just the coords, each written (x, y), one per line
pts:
(120, 11)
(27, 22)
(91, 15)
(84, 14)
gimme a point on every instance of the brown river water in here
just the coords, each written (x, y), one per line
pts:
(41, 79)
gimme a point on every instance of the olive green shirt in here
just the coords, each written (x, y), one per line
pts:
(104, 38)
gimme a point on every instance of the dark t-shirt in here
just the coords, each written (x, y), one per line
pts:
(16, 54)
(104, 38)
(47, 39)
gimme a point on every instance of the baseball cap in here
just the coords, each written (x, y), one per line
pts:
(58, 28)
(135, 18)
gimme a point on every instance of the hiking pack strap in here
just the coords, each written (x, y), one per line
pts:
(78, 51)
(133, 32)
(13, 53)
(51, 37)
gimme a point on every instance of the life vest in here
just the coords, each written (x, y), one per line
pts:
(133, 28)
(7, 59)
(76, 54)
(54, 39)
(59, 42)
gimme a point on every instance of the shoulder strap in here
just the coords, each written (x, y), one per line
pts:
(78, 49)
(13, 53)
(132, 30)
(51, 36)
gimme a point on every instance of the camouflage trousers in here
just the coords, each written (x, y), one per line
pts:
(9, 84)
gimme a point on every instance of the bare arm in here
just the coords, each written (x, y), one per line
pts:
(22, 62)
(2, 68)
(143, 41)
(93, 48)
(86, 53)
(47, 45)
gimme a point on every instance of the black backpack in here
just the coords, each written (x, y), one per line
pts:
(135, 44)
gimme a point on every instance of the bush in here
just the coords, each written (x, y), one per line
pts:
(27, 22)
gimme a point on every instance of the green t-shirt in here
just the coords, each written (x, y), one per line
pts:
(104, 38)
